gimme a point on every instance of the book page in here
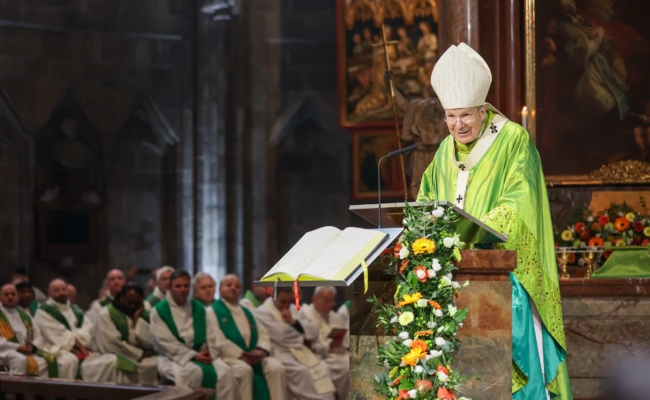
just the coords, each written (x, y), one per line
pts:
(304, 252)
(344, 253)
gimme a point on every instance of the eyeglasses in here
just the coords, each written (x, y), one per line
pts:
(465, 118)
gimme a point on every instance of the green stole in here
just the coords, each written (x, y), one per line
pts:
(163, 308)
(56, 314)
(251, 296)
(153, 300)
(347, 305)
(230, 330)
(32, 366)
(105, 301)
(33, 306)
(123, 363)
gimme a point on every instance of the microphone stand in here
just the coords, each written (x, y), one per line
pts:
(399, 152)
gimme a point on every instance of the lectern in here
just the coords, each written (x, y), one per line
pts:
(486, 349)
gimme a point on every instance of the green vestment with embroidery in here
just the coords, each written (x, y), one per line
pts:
(507, 191)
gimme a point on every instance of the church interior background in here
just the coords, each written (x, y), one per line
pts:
(211, 135)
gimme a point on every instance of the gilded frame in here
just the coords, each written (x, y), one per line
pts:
(623, 172)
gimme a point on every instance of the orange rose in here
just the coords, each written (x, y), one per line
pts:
(443, 370)
(402, 267)
(419, 344)
(622, 224)
(444, 394)
(423, 385)
(404, 394)
(421, 274)
(396, 250)
(435, 304)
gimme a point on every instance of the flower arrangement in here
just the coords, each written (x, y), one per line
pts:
(423, 319)
(619, 225)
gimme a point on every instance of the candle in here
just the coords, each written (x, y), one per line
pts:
(524, 117)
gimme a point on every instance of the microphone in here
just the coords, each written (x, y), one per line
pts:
(405, 150)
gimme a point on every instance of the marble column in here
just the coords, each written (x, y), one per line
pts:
(458, 23)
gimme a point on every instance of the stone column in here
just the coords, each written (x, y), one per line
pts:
(458, 23)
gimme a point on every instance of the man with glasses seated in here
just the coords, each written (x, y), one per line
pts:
(489, 167)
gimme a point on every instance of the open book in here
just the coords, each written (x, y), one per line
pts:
(327, 254)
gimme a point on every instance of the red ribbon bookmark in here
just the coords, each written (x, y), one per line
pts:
(296, 295)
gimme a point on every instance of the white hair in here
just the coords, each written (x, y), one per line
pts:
(162, 270)
(319, 289)
(199, 276)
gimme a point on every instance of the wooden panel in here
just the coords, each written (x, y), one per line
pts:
(500, 35)
(581, 287)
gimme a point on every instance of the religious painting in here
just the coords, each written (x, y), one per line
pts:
(367, 148)
(411, 31)
(588, 67)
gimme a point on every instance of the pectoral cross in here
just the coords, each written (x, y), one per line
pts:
(392, 102)
(493, 128)
(459, 199)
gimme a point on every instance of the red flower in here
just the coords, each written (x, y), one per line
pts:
(579, 227)
(423, 385)
(404, 394)
(444, 394)
(645, 242)
(443, 370)
(387, 250)
(603, 220)
(420, 270)
(396, 250)
(585, 235)
(638, 226)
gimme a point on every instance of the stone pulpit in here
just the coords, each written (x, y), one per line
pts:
(485, 355)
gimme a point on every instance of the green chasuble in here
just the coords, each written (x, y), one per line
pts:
(506, 190)
(209, 380)
(251, 296)
(230, 330)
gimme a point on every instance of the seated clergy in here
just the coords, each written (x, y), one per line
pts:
(254, 298)
(27, 298)
(191, 346)
(67, 334)
(240, 327)
(333, 350)
(307, 377)
(162, 285)
(114, 282)
(20, 339)
(123, 336)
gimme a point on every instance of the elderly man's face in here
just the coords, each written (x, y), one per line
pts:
(163, 282)
(230, 289)
(204, 290)
(324, 301)
(114, 281)
(465, 123)
(9, 296)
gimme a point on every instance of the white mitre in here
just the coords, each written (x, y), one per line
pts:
(461, 78)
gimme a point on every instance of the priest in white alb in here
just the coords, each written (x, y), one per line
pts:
(334, 350)
(308, 378)
(67, 334)
(240, 326)
(191, 347)
(162, 285)
(123, 337)
(114, 282)
(19, 338)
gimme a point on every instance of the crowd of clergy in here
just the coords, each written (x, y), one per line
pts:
(259, 346)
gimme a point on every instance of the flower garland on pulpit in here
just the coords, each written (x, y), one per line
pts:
(423, 318)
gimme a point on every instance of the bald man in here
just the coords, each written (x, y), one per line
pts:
(19, 338)
(239, 325)
(114, 281)
(67, 334)
(162, 286)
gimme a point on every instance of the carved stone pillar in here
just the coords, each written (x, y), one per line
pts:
(458, 23)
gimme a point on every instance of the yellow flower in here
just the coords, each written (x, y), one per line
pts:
(408, 299)
(620, 243)
(406, 318)
(412, 357)
(567, 235)
(423, 245)
(630, 217)
(646, 231)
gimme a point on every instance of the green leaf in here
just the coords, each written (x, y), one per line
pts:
(461, 315)
(412, 279)
(405, 384)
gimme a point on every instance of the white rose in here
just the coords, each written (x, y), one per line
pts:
(450, 276)
(590, 219)
(448, 242)
(407, 342)
(404, 252)
(442, 377)
(413, 393)
(452, 310)
(440, 342)
(394, 320)
(436, 265)
(432, 273)
(403, 335)
(418, 369)
(438, 212)
(437, 313)
(455, 285)
(457, 241)
(435, 353)
(421, 303)
(431, 324)
(445, 281)
(421, 274)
